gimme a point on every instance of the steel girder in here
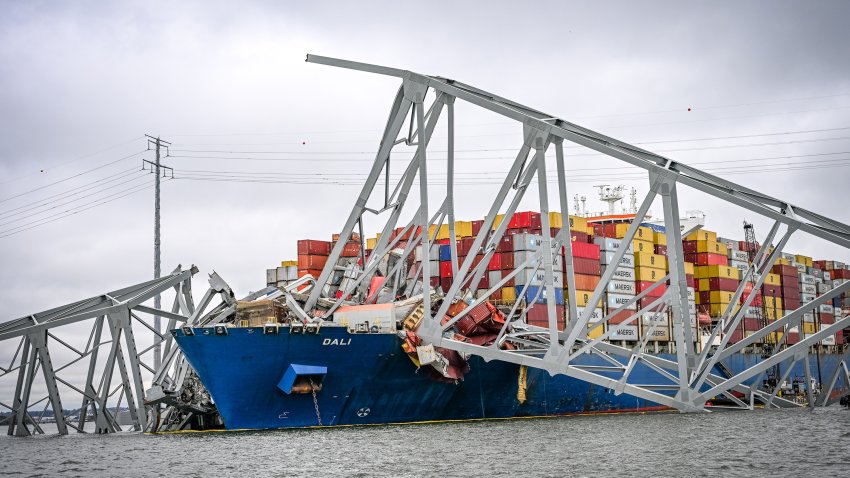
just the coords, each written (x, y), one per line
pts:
(692, 376)
(115, 330)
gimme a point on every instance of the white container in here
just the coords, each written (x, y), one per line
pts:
(814, 272)
(527, 242)
(788, 257)
(595, 316)
(528, 276)
(355, 317)
(521, 256)
(807, 279)
(622, 273)
(624, 332)
(658, 334)
(434, 255)
(692, 295)
(621, 287)
(801, 268)
(738, 255)
(808, 289)
(826, 275)
(271, 276)
(660, 319)
(806, 298)
(730, 244)
(608, 244)
(826, 309)
(828, 340)
(628, 259)
(740, 265)
(615, 301)
(809, 317)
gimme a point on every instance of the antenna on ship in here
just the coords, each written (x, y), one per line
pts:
(611, 195)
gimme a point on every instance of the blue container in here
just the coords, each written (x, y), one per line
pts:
(836, 301)
(532, 292)
(655, 227)
(445, 253)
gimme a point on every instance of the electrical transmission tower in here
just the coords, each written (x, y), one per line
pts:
(157, 168)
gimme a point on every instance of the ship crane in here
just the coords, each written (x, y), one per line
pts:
(770, 344)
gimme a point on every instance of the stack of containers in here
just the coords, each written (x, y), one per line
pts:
(312, 256)
(835, 274)
(621, 288)
(789, 287)
(588, 270)
(525, 245)
(716, 280)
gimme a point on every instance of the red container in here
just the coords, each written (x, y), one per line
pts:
(446, 269)
(644, 285)
(584, 281)
(751, 325)
(497, 295)
(605, 230)
(443, 242)
(313, 247)
(506, 243)
(790, 304)
(790, 293)
(311, 261)
(827, 319)
(771, 291)
(716, 283)
(839, 337)
(476, 227)
(587, 266)
(585, 250)
(476, 260)
(539, 315)
(578, 236)
(350, 249)
(689, 247)
(743, 246)
(528, 219)
(464, 246)
(692, 282)
(707, 259)
(661, 249)
(446, 283)
(788, 271)
(792, 338)
(839, 274)
(621, 317)
(736, 336)
(495, 262)
(507, 259)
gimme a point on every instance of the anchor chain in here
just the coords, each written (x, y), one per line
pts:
(315, 402)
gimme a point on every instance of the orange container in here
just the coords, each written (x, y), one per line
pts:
(309, 261)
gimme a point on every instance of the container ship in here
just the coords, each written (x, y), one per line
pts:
(266, 367)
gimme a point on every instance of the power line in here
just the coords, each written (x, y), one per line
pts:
(64, 203)
(76, 190)
(70, 212)
(57, 166)
(71, 177)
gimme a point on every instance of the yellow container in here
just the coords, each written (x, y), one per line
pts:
(556, 219)
(771, 313)
(498, 220)
(644, 259)
(509, 294)
(579, 224)
(772, 279)
(595, 332)
(783, 261)
(772, 302)
(715, 310)
(583, 296)
(721, 297)
(643, 233)
(443, 233)
(639, 245)
(804, 260)
(689, 268)
(371, 242)
(809, 328)
(712, 247)
(722, 272)
(288, 263)
(646, 274)
(463, 229)
(659, 238)
(702, 235)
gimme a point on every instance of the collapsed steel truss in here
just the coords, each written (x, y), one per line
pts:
(691, 376)
(173, 394)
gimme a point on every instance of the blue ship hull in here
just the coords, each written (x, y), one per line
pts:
(370, 380)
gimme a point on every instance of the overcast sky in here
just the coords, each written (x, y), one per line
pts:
(82, 82)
